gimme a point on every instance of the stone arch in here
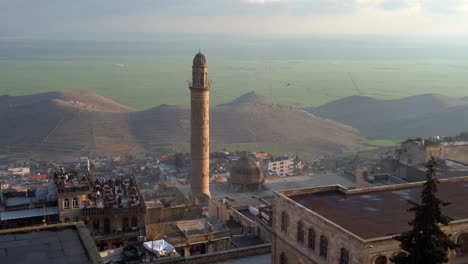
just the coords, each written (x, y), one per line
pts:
(344, 256)
(380, 260)
(284, 222)
(283, 258)
(311, 239)
(323, 247)
(462, 240)
(300, 232)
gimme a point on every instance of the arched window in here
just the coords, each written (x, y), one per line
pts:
(284, 222)
(134, 222)
(75, 203)
(300, 232)
(463, 242)
(381, 260)
(344, 256)
(311, 239)
(323, 246)
(66, 203)
(283, 259)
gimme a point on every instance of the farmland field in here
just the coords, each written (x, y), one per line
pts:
(146, 75)
(151, 81)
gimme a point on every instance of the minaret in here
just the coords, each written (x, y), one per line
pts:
(200, 130)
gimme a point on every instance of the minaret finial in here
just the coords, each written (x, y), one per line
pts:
(199, 50)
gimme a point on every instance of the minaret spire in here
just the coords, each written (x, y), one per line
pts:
(200, 130)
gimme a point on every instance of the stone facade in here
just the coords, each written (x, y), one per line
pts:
(342, 245)
(418, 151)
(200, 130)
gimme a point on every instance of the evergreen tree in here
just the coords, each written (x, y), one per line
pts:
(426, 242)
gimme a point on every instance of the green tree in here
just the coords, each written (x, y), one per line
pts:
(426, 242)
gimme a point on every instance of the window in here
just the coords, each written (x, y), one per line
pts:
(75, 203)
(125, 223)
(283, 259)
(284, 222)
(66, 203)
(463, 242)
(96, 225)
(381, 260)
(67, 220)
(134, 222)
(311, 239)
(75, 219)
(323, 246)
(344, 256)
(300, 232)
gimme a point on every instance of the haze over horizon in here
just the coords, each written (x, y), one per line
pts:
(51, 18)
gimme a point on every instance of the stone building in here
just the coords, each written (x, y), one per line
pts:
(112, 209)
(246, 175)
(419, 150)
(332, 224)
(242, 210)
(193, 237)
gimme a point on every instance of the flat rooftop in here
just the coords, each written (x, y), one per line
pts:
(255, 259)
(43, 247)
(276, 184)
(381, 212)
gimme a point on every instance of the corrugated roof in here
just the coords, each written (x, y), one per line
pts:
(16, 214)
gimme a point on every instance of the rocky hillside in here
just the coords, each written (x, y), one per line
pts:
(75, 123)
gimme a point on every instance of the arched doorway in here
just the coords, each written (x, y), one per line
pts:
(381, 260)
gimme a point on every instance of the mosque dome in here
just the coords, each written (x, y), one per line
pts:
(199, 60)
(246, 171)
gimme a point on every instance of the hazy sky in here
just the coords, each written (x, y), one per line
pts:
(388, 17)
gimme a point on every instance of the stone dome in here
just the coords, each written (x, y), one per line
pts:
(246, 171)
(199, 60)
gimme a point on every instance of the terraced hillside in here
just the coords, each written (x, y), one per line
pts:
(421, 115)
(75, 123)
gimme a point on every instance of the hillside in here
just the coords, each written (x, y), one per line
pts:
(399, 118)
(76, 123)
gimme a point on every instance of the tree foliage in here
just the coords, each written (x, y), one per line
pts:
(426, 242)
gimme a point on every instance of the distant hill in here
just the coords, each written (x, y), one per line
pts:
(399, 118)
(81, 123)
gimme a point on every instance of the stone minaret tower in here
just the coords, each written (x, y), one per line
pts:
(200, 130)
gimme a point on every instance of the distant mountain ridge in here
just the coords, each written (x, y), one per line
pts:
(413, 116)
(83, 123)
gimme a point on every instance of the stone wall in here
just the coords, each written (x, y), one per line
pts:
(218, 256)
(168, 214)
(297, 252)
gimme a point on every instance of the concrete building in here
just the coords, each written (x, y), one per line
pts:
(200, 130)
(33, 207)
(332, 224)
(281, 166)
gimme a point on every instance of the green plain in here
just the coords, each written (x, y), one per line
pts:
(149, 81)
